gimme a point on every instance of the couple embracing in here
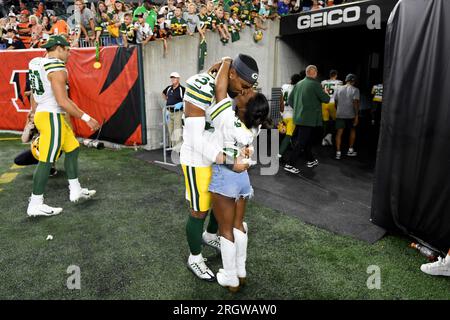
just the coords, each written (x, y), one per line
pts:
(215, 163)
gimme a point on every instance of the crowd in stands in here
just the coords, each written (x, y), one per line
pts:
(28, 24)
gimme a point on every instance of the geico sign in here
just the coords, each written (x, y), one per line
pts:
(328, 18)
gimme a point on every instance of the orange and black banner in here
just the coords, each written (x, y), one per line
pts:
(113, 94)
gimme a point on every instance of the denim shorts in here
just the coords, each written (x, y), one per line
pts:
(230, 184)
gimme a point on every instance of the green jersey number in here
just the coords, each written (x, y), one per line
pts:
(330, 88)
(204, 81)
(36, 83)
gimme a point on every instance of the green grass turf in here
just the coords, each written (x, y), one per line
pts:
(129, 243)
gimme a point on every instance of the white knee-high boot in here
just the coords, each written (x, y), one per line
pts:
(227, 277)
(241, 240)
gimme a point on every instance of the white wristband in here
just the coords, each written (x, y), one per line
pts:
(85, 117)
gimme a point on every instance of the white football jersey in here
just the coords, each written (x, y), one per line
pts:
(377, 91)
(39, 69)
(200, 90)
(331, 85)
(286, 90)
(229, 131)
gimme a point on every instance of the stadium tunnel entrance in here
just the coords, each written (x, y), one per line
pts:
(349, 38)
(355, 50)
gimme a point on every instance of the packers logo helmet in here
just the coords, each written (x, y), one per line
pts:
(282, 127)
(35, 148)
(257, 36)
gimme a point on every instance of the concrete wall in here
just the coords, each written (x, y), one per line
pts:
(288, 62)
(276, 62)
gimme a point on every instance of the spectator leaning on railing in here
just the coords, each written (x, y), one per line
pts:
(128, 30)
(102, 21)
(36, 32)
(12, 41)
(178, 24)
(84, 19)
(119, 11)
(12, 21)
(192, 20)
(59, 26)
(149, 12)
(46, 24)
(144, 31)
(24, 29)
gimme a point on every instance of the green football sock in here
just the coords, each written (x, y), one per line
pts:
(194, 231)
(40, 177)
(284, 144)
(212, 224)
(71, 164)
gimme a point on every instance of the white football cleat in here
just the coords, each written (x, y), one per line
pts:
(211, 240)
(200, 269)
(351, 153)
(438, 268)
(81, 194)
(326, 141)
(43, 210)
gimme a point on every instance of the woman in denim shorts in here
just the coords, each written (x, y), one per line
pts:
(235, 130)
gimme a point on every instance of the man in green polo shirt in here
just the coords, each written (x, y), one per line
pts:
(149, 12)
(306, 98)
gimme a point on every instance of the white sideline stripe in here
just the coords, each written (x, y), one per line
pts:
(193, 195)
(55, 138)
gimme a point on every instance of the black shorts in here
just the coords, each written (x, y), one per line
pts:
(344, 123)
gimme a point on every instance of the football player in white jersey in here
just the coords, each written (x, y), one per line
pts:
(329, 109)
(377, 100)
(49, 99)
(198, 152)
(287, 112)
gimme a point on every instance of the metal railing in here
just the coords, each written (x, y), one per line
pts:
(105, 41)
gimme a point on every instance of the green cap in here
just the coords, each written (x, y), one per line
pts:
(56, 40)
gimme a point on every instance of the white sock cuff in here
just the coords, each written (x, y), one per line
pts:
(36, 199)
(195, 258)
(74, 183)
(210, 235)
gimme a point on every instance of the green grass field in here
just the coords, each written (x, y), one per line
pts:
(129, 243)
